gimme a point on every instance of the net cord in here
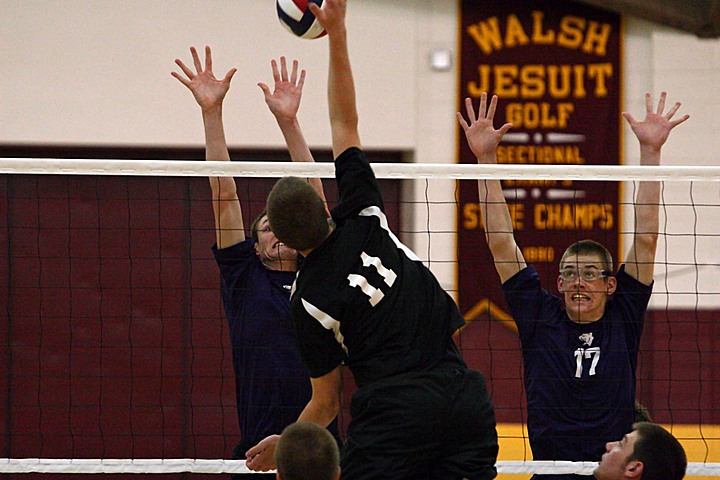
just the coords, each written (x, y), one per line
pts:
(193, 168)
(189, 465)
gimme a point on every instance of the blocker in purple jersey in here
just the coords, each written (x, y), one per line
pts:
(297, 17)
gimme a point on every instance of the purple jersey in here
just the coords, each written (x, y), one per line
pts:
(579, 378)
(271, 383)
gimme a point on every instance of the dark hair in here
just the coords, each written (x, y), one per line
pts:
(255, 223)
(590, 247)
(297, 214)
(662, 455)
(642, 414)
(306, 451)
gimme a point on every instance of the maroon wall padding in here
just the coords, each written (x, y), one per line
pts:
(116, 344)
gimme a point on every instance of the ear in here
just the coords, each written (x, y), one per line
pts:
(634, 469)
(611, 285)
(560, 284)
(338, 474)
(257, 248)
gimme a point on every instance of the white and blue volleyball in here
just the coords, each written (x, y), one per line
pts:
(297, 18)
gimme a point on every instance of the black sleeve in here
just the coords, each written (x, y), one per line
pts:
(357, 186)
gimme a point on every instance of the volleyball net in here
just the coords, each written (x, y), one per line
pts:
(118, 358)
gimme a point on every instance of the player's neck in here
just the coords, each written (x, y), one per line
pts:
(281, 265)
(307, 252)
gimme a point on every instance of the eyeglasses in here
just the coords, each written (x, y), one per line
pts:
(587, 274)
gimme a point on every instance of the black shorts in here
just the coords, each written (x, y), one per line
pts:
(429, 425)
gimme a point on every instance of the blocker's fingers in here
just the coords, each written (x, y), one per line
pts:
(283, 69)
(275, 71)
(483, 105)
(470, 110)
(493, 106)
(196, 59)
(661, 103)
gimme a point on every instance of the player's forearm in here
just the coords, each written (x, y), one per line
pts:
(495, 214)
(647, 213)
(320, 412)
(216, 150)
(341, 87)
(647, 200)
(499, 231)
(215, 144)
(298, 148)
(295, 141)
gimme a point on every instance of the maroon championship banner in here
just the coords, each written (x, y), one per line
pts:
(556, 68)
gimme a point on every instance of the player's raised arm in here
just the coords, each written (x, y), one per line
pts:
(483, 140)
(652, 133)
(209, 93)
(341, 87)
(284, 103)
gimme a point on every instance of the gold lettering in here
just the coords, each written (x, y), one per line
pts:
(538, 254)
(579, 71)
(596, 38)
(564, 110)
(574, 33)
(558, 87)
(529, 183)
(571, 32)
(486, 35)
(532, 81)
(476, 89)
(505, 76)
(568, 216)
(538, 37)
(535, 80)
(517, 215)
(538, 115)
(540, 154)
(515, 34)
(600, 71)
(471, 216)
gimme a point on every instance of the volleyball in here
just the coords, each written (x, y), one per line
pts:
(298, 19)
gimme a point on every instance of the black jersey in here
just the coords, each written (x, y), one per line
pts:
(364, 298)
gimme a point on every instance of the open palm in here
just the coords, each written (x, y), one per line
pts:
(208, 91)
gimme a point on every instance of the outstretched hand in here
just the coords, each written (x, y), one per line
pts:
(284, 101)
(654, 130)
(332, 14)
(208, 91)
(482, 137)
(261, 457)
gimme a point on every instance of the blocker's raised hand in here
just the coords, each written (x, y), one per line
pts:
(654, 130)
(481, 135)
(208, 91)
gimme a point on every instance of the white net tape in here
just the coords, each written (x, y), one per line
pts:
(189, 465)
(382, 170)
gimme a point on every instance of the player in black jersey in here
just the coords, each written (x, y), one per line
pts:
(364, 299)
